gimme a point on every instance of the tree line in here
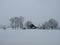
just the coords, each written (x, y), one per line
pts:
(18, 22)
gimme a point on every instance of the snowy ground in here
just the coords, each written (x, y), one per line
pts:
(29, 37)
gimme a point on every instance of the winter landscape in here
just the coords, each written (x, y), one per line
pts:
(29, 22)
(29, 37)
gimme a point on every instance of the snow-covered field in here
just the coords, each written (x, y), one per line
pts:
(29, 37)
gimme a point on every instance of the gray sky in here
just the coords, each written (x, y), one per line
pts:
(37, 11)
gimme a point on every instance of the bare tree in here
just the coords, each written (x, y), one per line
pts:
(21, 20)
(12, 23)
(4, 27)
(53, 24)
(44, 26)
(16, 22)
(27, 24)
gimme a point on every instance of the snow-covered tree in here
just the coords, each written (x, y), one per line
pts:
(52, 23)
(27, 24)
(21, 20)
(4, 27)
(16, 22)
(44, 26)
(12, 23)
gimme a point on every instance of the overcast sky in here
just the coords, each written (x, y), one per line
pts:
(37, 11)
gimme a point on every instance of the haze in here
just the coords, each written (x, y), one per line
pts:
(37, 11)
